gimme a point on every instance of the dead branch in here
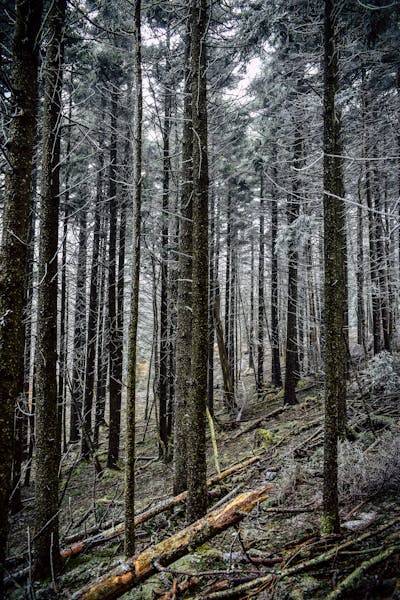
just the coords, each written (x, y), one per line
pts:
(261, 582)
(110, 534)
(349, 583)
(137, 569)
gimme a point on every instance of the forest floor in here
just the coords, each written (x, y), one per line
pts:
(274, 552)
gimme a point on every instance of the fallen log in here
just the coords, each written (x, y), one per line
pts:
(114, 532)
(139, 568)
(348, 585)
(332, 553)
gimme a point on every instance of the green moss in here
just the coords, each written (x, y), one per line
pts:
(264, 437)
(302, 383)
(327, 524)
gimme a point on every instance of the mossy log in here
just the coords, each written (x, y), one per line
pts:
(139, 568)
(348, 584)
(113, 532)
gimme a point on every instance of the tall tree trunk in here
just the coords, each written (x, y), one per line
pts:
(92, 317)
(251, 319)
(275, 357)
(232, 315)
(261, 308)
(102, 343)
(334, 283)
(360, 272)
(211, 302)
(165, 345)
(196, 439)
(113, 385)
(184, 301)
(29, 349)
(120, 299)
(381, 259)
(376, 313)
(131, 387)
(46, 542)
(22, 406)
(292, 354)
(78, 370)
(17, 193)
(63, 341)
(229, 317)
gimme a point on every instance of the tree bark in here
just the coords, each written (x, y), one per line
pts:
(184, 301)
(334, 282)
(46, 555)
(113, 385)
(165, 345)
(261, 308)
(131, 387)
(196, 435)
(275, 356)
(17, 194)
(93, 310)
(292, 350)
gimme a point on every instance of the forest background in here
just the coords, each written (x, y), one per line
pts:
(198, 201)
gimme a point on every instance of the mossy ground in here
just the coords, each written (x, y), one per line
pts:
(291, 443)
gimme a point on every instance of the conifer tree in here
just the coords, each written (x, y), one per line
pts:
(46, 542)
(13, 255)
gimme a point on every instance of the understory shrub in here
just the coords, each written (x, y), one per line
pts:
(364, 473)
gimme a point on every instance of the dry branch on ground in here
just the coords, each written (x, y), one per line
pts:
(137, 569)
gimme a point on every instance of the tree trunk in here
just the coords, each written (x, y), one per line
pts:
(334, 283)
(184, 301)
(211, 302)
(261, 315)
(63, 342)
(292, 354)
(131, 387)
(22, 407)
(165, 345)
(360, 273)
(30, 343)
(102, 344)
(78, 371)
(275, 357)
(113, 385)
(46, 542)
(376, 313)
(92, 312)
(196, 436)
(17, 194)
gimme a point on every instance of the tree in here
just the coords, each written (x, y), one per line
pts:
(46, 542)
(292, 357)
(276, 377)
(196, 440)
(131, 387)
(13, 256)
(114, 385)
(184, 302)
(261, 308)
(334, 282)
